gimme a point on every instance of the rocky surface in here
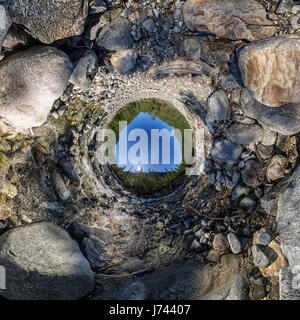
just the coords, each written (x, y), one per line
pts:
(204, 227)
(229, 19)
(288, 224)
(51, 22)
(31, 82)
(43, 262)
(264, 72)
(5, 24)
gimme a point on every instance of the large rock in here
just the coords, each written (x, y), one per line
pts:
(245, 133)
(43, 262)
(271, 70)
(232, 19)
(224, 151)
(5, 23)
(31, 81)
(116, 35)
(288, 224)
(50, 20)
(285, 120)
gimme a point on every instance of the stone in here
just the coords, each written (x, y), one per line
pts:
(80, 231)
(265, 152)
(85, 68)
(94, 250)
(220, 242)
(264, 73)
(224, 151)
(70, 170)
(59, 186)
(269, 137)
(276, 167)
(234, 243)
(284, 6)
(116, 35)
(149, 25)
(260, 259)
(124, 60)
(245, 133)
(42, 262)
(5, 23)
(195, 245)
(264, 238)
(228, 81)
(284, 120)
(219, 106)
(253, 174)
(240, 190)
(2, 228)
(97, 6)
(244, 19)
(216, 51)
(23, 109)
(277, 259)
(248, 202)
(269, 203)
(49, 21)
(15, 37)
(289, 288)
(288, 221)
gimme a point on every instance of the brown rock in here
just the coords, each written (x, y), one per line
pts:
(220, 242)
(270, 70)
(232, 19)
(274, 253)
(276, 167)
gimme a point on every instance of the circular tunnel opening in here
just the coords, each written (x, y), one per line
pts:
(149, 149)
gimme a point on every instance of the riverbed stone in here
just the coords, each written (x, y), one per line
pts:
(276, 167)
(245, 133)
(5, 23)
(116, 35)
(44, 72)
(244, 19)
(219, 106)
(284, 120)
(43, 262)
(235, 244)
(264, 72)
(49, 20)
(224, 151)
(253, 174)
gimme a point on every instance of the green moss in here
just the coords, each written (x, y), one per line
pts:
(152, 182)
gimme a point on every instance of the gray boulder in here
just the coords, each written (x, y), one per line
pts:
(32, 81)
(245, 133)
(85, 69)
(288, 224)
(49, 20)
(43, 262)
(219, 106)
(224, 151)
(288, 220)
(5, 23)
(116, 35)
(285, 120)
(243, 19)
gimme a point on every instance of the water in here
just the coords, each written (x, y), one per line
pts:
(168, 155)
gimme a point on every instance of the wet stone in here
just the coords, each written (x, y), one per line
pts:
(260, 258)
(223, 151)
(245, 134)
(264, 238)
(219, 106)
(234, 242)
